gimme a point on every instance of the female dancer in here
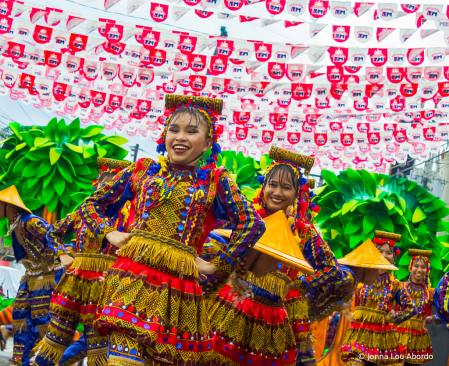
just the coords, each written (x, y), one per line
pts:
(75, 298)
(441, 300)
(257, 330)
(30, 308)
(413, 333)
(370, 339)
(151, 304)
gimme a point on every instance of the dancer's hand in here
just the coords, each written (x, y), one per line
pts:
(204, 267)
(102, 277)
(66, 260)
(118, 239)
(348, 315)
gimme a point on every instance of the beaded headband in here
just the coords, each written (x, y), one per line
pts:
(210, 108)
(311, 183)
(384, 237)
(105, 165)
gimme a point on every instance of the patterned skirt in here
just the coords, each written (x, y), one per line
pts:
(297, 310)
(77, 294)
(151, 294)
(369, 335)
(253, 331)
(414, 336)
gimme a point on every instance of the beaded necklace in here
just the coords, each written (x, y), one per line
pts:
(418, 291)
(373, 293)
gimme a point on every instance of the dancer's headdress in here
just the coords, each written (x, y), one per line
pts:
(113, 166)
(424, 255)
(303, 206)
(384, 237)
(209, 107)
(11, 196)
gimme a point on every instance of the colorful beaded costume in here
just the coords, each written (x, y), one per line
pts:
(369, 334)
(412, 333)
(75, 298)
(30, 308)
(268, 328)
(151, 304)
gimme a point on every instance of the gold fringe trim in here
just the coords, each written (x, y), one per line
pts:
(274, 282)
(18, 326)
(220, 360)
(364, 314)
(98, 359)
(122, 361)
(93, 262)
(46, 281)
(42, 329)
(49, 350)
(161, 253)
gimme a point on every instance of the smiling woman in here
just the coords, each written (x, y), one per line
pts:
(187, 137)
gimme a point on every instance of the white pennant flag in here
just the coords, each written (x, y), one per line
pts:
(132, 5)
(265, 22)
(178, 12)
(316, 53)
(406, 33)
(314, 29)
(424, 33)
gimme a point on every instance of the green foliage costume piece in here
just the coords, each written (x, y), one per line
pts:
(356, 203)
(56, 164)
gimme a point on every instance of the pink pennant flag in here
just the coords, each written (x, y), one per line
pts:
(361, 8)
(383, 33)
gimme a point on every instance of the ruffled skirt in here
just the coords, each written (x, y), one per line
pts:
(369, 335)
(76, 295)
(417, 341)
(151, 295)
(253, 331)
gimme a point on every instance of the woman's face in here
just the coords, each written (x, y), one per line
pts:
(186, 140)
(279, 192)
(387, 251)
(418, 271)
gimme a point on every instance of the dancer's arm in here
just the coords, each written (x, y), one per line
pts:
(406, 308)
(36, 240)
(95, 210)
(248, 226)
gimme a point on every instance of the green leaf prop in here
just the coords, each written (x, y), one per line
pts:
(48, 164)
(381, 202)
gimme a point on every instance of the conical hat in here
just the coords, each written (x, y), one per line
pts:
(279, 242)
(367, 256)
(11, 196)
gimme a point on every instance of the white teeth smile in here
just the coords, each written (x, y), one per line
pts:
(179, 147)
(276, 200)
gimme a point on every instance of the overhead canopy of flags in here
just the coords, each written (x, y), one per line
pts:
(334, 106)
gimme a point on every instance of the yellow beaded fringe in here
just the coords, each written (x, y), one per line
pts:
(93, 262)
(161, 253)
(274, 282)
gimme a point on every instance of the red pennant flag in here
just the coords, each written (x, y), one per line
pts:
(42, 34)
(158, 12)
(197, 62)
(410, 8)
(77, 42)
(113, 32)
(275, 7)
(203, 13)
(246, 18)
(379, 56)
(318, 8)
(338, 55)
(233, 5)
(361, 8)
(5, 24)
(293, 23)
(340, 33)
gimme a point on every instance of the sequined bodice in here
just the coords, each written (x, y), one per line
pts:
(180, 217)
(380, 296)
(422, 299)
